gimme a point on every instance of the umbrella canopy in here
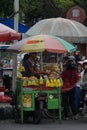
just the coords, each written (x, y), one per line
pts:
(40, 43)
(10, 23)
(69, 30)
(8, 34)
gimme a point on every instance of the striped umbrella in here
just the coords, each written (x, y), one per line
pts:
(41, 43)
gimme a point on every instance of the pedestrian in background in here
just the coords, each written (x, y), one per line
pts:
(80, 71)
(70, 77)
(84, 86)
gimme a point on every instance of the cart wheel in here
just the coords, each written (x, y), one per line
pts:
(52, 113)
(17, 116)
(37, 116)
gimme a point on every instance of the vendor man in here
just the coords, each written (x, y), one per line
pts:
(30, 68)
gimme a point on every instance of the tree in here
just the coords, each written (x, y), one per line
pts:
(30, 11)
(46, 9)
(6, 8)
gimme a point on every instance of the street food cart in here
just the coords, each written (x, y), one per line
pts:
(34, 95)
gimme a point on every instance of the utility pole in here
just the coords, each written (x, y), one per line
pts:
(16, 19)
(16, 14)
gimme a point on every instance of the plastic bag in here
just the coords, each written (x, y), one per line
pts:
(5, 99)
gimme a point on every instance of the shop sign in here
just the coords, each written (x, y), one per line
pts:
(76, 13)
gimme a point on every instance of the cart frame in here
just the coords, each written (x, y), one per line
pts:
(52, 103)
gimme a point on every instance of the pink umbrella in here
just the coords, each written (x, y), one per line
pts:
(8, 34)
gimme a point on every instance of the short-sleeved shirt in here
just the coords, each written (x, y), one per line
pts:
(28, 65)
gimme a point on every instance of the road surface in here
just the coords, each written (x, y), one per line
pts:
(46, 124)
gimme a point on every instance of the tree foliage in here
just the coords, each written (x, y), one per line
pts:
(46, 9)
(32, 10)
(6, 8)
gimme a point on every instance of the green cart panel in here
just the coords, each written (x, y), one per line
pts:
(28, 101)
(53, 103)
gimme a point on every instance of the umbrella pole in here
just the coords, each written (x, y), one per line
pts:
(41, 61)
(57, 58)
(86, 49)
(16, 11)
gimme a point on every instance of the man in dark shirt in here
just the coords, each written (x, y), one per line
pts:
(29, 65)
